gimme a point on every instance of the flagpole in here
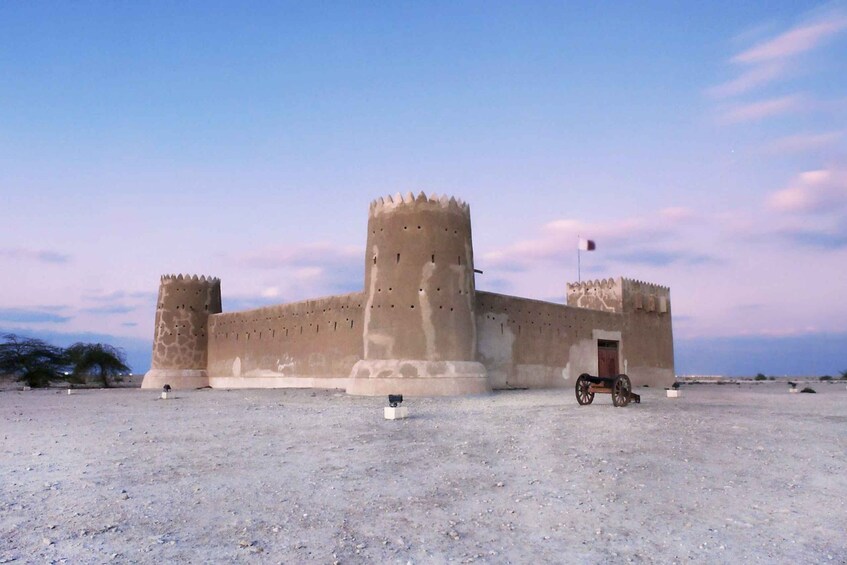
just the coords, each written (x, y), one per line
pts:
(578, 265)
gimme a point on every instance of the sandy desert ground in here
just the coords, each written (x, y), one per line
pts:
(726, 474)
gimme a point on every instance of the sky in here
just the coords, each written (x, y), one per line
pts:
(702, 146)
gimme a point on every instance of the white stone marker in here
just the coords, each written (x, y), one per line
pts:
(164, 395)
(793, 389)
(70, 391)
(396, 412)
(674, 393)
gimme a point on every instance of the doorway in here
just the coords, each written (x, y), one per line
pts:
(607, 358)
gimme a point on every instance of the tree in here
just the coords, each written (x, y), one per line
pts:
(31, 360)
(100, 360)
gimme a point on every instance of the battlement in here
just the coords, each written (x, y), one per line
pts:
(642, 285)
(645, 297)
(620, 295)
(605, 295)
(422, 202)
(598, 284)
(192, 278)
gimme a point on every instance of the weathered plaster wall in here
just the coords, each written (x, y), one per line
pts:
(419, 280)
(649, 332)
(535, 344)
(647, 335)
(313, 343)
(180, 335)
(605, 295)
(419, 328)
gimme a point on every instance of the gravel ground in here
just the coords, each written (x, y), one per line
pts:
(725, 474)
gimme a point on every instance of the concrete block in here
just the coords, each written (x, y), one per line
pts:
(794, 390)
(397, 413)
(164, 395)
(70, 391)
(674, 393)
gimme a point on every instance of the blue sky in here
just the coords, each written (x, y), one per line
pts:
(701, 145)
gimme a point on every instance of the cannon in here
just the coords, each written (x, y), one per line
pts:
(620, 387)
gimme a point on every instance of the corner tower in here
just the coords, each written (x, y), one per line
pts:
(419, 325)
(180, 342)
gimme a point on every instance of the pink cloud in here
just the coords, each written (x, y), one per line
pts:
(803, 142)
(558, 240)
(812, 192)
(770, 60)
(762, 109)
(794, 41)
(749, 80)
(301, 256)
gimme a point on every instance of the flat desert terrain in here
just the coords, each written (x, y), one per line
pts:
(725, 474)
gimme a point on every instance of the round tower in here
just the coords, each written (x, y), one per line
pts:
(180, 343)
(419, 326)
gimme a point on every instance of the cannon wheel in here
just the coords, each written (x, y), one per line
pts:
(583, 396)
(621, 390)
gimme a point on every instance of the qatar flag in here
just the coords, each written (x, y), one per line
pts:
(587, 245)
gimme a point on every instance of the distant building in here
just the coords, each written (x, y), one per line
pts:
(419, 327)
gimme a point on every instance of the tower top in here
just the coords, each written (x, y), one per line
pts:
(421, 201)
(195, 278)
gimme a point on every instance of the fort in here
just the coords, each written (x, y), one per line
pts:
(419, 326)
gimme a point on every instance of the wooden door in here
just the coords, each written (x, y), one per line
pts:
(607, 358)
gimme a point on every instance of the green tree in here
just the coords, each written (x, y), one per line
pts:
(31, 360)
(97, 360)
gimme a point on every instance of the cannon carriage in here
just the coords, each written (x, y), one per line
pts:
(619, 386)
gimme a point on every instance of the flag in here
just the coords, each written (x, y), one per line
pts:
(587, 245)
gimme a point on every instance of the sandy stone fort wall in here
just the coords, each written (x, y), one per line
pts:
(419, 327)
(526, 343)
(180, 344)
(313, 343)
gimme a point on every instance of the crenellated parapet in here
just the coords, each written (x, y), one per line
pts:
(640, 296)
(412, 203)
(190, 278)
(605, 295)
(180, 335)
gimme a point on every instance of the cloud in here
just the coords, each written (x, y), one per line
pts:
(677, 214)
(303, 271)
(755, 111)
(774, 58)
(633, 242)
(803, 142)
(117, 295)
(812, 192)
(301, 256)
(109, 309)
(833, 239)
(31, 316)
(748, 80)
(39, 255)
(661, 258)
(796, 40)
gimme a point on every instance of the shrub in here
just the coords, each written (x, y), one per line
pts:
(810, 390)
(826, 378)
(761, 377)
(31, 360)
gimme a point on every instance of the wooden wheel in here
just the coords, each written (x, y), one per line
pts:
(583, 395)
(621, 390)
